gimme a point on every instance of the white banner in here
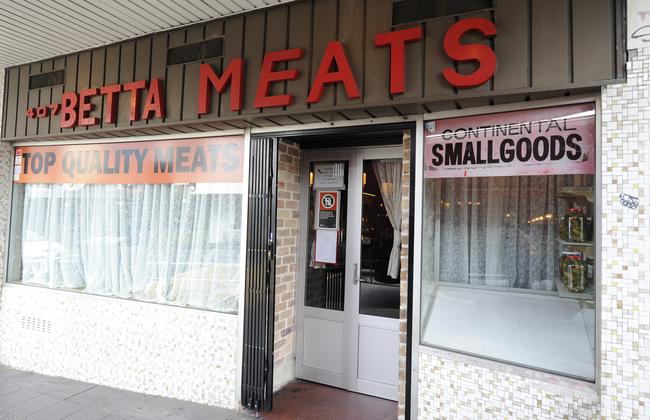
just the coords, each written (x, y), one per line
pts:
(638, 24)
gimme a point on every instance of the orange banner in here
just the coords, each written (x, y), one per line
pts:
(205, 159)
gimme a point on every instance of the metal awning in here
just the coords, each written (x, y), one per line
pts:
(32, 30)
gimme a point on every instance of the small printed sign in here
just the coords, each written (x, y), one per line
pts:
(628, 201)
(326, 246)
(328, 212)
(329, 175)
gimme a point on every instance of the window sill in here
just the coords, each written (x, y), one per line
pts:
(116, 299)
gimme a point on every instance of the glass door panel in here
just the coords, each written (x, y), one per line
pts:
(380, 211)
(325, 271)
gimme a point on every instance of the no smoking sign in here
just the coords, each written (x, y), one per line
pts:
(328, 201)
(328, 214)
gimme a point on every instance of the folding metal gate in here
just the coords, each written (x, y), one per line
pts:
(257, 353)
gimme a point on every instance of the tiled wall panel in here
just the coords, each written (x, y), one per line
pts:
(625, 314)
(143, 347)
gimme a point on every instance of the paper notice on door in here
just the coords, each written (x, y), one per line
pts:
(326, 246)
(330, 175)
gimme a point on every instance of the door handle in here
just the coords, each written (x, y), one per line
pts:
(355, 276)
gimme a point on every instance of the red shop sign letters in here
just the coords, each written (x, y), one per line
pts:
(76, 108)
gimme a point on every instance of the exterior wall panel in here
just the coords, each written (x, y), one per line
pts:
(351, 33)
(33, 99)
(233, 46)
(174, 81)
(598, 30)
(557, 45)
(23, 94)
(324, 30)
(300, 37)
(277, 21)
(111, 74)
(378, 20)
(142, 69)
(550, 44)
(511, 18)
(254, 37)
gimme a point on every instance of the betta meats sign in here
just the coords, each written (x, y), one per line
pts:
(77, 108)
(197, 160)
(545, 141)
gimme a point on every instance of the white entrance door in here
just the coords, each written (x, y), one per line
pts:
(348, 291)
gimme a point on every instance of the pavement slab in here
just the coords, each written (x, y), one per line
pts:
(30, 396)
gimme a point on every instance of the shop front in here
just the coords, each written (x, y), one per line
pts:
(410, 207)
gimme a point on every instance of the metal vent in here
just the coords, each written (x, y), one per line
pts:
(205, 50)
(36, 324)
(405, 11)
(43, 80)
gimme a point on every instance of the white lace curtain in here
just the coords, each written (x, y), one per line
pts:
(389, 175)
(496, 231)
(163, 243)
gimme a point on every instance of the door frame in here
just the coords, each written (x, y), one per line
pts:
(350, 315)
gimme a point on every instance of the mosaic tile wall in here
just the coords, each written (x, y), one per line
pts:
(155, 349)
(625, 332)
(6, 160)
(5, 180)
(456, 386)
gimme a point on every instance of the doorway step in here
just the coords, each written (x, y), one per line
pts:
(309, 400)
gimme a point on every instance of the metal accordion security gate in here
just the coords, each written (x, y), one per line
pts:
(257, 352)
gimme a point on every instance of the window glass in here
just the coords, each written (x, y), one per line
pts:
(380, 240)
(175, 243)
(508, 261)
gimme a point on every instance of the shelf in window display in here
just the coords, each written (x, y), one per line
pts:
(586, 193)
(569, 243)
(563, 292)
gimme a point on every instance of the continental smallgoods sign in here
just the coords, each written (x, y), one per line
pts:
(197, 160)
(544, 141)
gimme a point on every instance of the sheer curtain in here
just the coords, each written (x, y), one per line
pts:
(162, 243)
(389, 175)
(497, 231)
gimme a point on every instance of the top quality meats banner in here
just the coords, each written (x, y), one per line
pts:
(543, 141)
(197, 160)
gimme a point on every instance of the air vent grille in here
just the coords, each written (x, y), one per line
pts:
(43, 80)
(205, 50)
(36, 324)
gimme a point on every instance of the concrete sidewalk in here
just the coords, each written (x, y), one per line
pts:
(25, 395)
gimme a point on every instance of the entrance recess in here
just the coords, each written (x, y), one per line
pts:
(348, 289)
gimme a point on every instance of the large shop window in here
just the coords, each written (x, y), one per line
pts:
(153, 221)
(508, 237)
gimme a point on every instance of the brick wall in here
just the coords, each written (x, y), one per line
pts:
(288, 219)
(404, 272)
